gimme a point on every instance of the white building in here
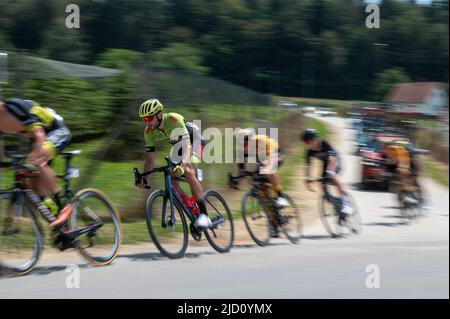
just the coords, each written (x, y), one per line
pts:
(426, 98)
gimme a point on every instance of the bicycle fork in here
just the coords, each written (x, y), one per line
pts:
(169, 194)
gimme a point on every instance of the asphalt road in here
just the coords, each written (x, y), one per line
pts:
(388, 260)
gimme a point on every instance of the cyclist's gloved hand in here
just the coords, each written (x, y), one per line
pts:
(142, 183)
(179, 170)
(233, 184)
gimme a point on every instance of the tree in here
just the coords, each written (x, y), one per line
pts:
(179, 56)
(61, 43)
(119, 59)
(387, 79)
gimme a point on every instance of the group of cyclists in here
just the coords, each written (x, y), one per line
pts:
(50, 136)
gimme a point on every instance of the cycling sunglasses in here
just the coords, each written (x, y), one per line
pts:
(149, 118)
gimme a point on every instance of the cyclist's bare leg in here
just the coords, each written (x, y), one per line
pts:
(336, 181)
(275, 181)
(47, 178)
(196, 188)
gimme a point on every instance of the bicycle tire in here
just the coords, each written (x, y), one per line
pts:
(153, 234)
(294, 239)
(90, 193)
(210, 234)
(324, 218)
(28, 266)
(259, 242)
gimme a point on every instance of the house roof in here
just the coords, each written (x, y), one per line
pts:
(415, 92)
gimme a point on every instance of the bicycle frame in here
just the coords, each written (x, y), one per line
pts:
(21, 190)
(336, 201)
(172, 194)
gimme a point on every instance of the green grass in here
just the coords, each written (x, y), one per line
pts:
(436, 173)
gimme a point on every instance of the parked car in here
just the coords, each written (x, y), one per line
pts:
(309, 109)
(373, 169)
(324, 111)
(287, 104)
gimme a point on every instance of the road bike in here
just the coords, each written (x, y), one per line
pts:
(263, 218)
(166, 212)
(94, 228)
(337, 223)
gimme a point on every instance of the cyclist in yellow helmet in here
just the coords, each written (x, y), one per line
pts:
(268, 157)
(186, 137)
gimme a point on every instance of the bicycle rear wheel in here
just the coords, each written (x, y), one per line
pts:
(290, 220)
(220, 237)
(256, 218)
(20, 236)
(169, 236)
(101, 245)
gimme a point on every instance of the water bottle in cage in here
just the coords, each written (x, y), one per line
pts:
(199, 175)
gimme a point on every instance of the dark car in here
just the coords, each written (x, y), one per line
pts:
(373, 169)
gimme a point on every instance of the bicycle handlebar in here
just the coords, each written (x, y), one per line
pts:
(138, 176)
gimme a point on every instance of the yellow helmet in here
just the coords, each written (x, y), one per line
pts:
(150, 107)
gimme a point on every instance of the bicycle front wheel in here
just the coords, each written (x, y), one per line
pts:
(170, 235)
(256, 218)
(93, 209)
(290, 220)
(329, 216)
(221, 235)
(353, 222)
(20, 236)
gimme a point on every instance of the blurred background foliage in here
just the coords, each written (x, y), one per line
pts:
(310, 48)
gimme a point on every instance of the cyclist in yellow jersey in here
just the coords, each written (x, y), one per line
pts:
(268, 156)
(399, 161)
(172, 128)
(50, 136)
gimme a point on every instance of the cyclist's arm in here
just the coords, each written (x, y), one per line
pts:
(39, 137)
(150, 160)
(332, 163)
(187, 149)
(308, 165)
(241, 170)
(332, 156)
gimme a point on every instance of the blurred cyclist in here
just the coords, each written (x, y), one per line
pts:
(323, 151)
(399, 161)
(172, 128)
(50, 136)
(268, 158)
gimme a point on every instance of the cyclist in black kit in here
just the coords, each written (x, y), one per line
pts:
(323, 151)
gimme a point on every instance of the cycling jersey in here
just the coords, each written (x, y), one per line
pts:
(265, 146)
(266, 149)
(323, 154)
(34, 116)
(175, 129)
(399, 155)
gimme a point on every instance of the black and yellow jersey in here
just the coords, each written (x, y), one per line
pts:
(32, 115)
